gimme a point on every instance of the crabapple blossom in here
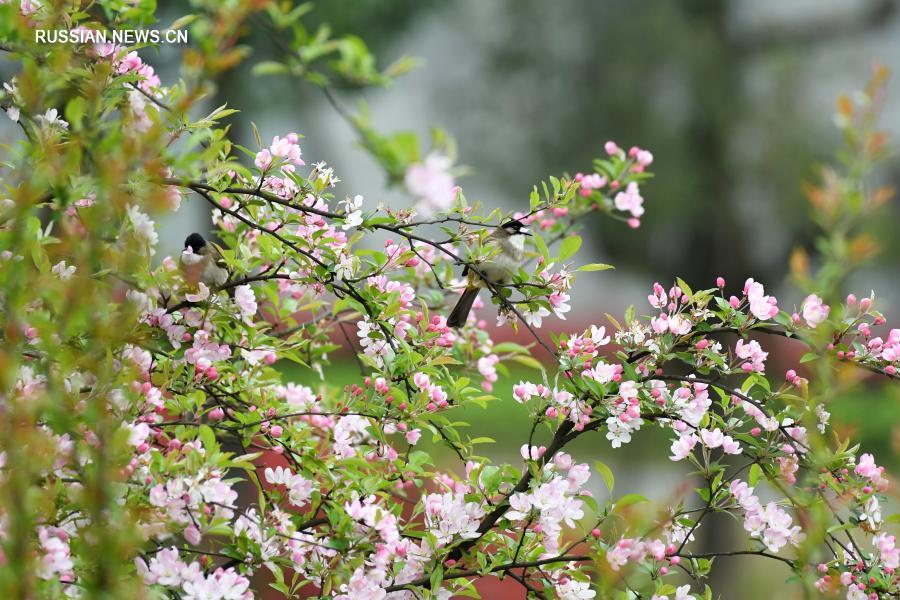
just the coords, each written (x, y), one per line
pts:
(246, 301)
(753, 354)
(211, 436)
(432, 183)
(814, 310)
(763, 306)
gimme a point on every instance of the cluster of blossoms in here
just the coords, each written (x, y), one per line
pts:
(147, 402)
(618, 178)
(167, 569)
(283, 153)
(552, 501)
(662, 552)
(554, 286)
(769, 523)
(431, 183)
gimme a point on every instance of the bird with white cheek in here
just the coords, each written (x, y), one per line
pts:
(201, 263)
(509, 240)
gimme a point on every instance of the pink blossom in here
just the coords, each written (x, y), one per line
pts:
(220, 585)
(56, 561)
(431, 182)
(625, 550)
(644, 158)
(815, 310)
(630, 200)
(448, 516)
(890, 554)
(867, 468)
(413, 435)
(246, 301)
(762, 306)
(263, 159)
(753, 353)
(658, 298)
(712, 439)
(487, 366)
(679, 325)
(682, 447)
(559, 303)
(287, 148)
(201, 295)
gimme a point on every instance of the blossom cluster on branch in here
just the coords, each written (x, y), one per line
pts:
(152, 440)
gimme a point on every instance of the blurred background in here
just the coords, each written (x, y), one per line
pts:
(735, 99)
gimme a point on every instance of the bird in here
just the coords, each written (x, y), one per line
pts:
(201, 262)
(509, 240)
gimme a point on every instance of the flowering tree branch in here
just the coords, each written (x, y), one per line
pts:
(152, 436)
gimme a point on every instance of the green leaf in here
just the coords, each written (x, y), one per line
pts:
(541, 246)
(527, 361)
(182, 22)
(482, 440)
(268, 67)
(509, 347)
(755, 474)
(629, 500)
(595, 267)
(607, 475)
(684, 287)
(256, 134)
(75, 109)
(808, 357)
(208, 438)
(569, 247)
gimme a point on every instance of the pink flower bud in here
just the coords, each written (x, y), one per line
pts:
(865, 304)
(755, 431)
(596, 533)
(276, 431)
(720, 282)
(216, 414)
(851, 299)
(611, 148)
(734, 302)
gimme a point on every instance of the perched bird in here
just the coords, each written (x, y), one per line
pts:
(509, 240)
(201, 262)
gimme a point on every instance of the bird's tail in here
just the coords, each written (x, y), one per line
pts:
(460, 312)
